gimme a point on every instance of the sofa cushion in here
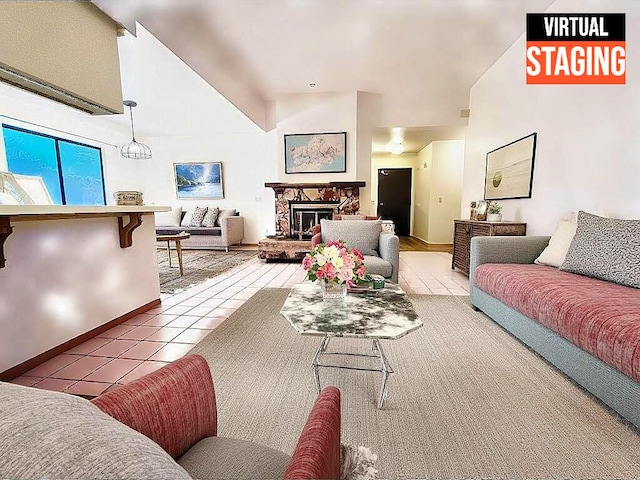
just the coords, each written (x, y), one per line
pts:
(361, 234)
(55, 435)
(605, 248)
(378, 266)
(211, 217)
(225, 212)
(169, 219)
(171, 230)
(555, 253)
(214, 231)
(219, 457)
(600, 317)
(197, 216)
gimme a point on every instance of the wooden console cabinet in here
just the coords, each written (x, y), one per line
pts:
(463, 230)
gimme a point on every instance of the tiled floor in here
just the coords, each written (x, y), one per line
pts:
(150, 340)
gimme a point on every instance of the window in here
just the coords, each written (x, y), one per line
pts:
(71, 171)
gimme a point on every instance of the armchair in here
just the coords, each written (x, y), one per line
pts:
(381, 249)
(175, 406)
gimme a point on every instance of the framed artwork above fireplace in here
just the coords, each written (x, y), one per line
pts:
(315, 153)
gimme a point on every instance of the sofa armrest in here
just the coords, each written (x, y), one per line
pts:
(316, 240)
(317, 454)
(389, 248)
(504, 250)
(174, 406)
(232, 229)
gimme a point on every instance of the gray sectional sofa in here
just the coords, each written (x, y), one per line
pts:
(227, 231)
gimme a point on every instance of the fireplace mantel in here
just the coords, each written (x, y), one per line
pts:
(315, 185)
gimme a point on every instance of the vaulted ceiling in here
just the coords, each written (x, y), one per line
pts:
(420, 56)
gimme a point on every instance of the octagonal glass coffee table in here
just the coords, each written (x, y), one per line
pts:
(377, 314)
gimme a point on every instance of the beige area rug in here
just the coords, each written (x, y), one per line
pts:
(199, 265)
(467, 401)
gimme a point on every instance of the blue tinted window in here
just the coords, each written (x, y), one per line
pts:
(72, 172)
(82, 174)
(31, 154)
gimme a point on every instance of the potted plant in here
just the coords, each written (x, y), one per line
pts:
(494, 212)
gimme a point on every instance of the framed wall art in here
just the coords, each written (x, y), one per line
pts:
(315, 152)
(198, 180)
(509, 170)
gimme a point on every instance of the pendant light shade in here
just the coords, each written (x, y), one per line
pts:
(134, 149)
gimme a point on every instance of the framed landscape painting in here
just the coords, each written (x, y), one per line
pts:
(315, 152)
(199, 180)
(509, 171)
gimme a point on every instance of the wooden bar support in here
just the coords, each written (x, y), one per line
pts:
(5, 231)
(126, 231)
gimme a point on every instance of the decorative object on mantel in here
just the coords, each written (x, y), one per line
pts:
(135, 149)
(128, 198)
(509, 171)
(334, 265)
(494, 210)
(199, 180)
(315, 152)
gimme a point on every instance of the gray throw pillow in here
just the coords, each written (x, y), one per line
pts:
(198, 216)
(227, 212)
(211, 217)
(605, 248)
(361, 234)
(56, 435)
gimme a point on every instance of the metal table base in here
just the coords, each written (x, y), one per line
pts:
(385, 367)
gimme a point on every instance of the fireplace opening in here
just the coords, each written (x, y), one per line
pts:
(305, 215)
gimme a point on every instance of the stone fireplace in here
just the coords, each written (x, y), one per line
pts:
(300, 206)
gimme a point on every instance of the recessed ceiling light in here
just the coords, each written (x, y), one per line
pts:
(312, 85)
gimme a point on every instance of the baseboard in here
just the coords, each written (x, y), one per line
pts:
(27, 365)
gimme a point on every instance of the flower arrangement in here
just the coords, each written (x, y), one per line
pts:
(334, 262)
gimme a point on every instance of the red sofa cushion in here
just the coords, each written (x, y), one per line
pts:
(600, 317)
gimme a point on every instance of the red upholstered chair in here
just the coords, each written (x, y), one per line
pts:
(175, 406)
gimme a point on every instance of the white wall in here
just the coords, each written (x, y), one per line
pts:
(588, 147)
(424, 162)
(184, 119)
(306, 114)
(66, 277)
(404, 160)
(445, 192)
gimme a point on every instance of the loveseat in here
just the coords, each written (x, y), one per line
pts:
(587, 327)
(161, 426)
(381, 249)
(226, 230)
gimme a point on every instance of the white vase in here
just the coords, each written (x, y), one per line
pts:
(494, 217)
(333, 291)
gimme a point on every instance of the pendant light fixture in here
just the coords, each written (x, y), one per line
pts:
(134, 149)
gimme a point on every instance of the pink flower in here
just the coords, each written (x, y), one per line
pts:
(360, 271)
(320, 273)
(335, 243)
(345, 274)
(330, 271)
(357, 253)
(307, 262)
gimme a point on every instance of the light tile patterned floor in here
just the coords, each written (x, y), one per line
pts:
(167, 332)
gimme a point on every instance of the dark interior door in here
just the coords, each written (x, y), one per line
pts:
(394, 197)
